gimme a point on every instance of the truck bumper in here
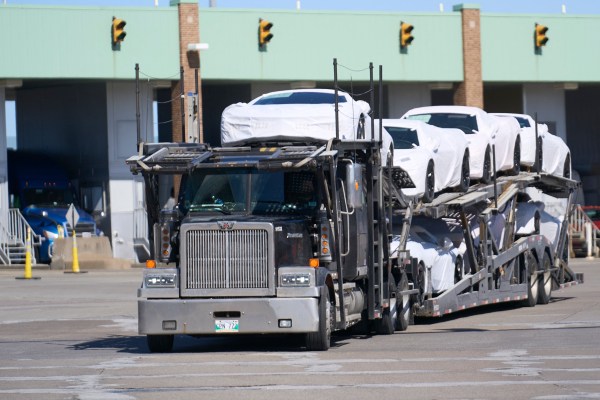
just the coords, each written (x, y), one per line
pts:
(242, 316)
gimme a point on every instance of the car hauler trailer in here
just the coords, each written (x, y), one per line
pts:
(499, 263)
(310, 238)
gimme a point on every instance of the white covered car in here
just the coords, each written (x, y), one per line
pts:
(436, 253)
(557, 156)
(434, 158)
(554, 153)
(531, 144)
(307, 114)
(482, 131)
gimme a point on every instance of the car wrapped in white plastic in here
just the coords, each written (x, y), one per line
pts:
(549, 150)
(304, 114)
(434, 158)
(441, 261)
(483, 131)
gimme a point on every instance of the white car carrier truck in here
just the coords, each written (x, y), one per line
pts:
(310, 238)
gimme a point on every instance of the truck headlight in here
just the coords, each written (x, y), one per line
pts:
(296, 277)
(50, 235)
(161, 280)
(295, 280)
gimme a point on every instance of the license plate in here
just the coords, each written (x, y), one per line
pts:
(227, 325)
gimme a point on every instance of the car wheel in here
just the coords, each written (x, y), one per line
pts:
(429, 184)
(567, 167)
(465, 174)
(539, 155)
(459, 269)
(487, 167)
(516, 168)
(360, 129)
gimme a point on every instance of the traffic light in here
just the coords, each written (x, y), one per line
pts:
(264, 32)
(118, 30)
(540, 36)
(405, 34)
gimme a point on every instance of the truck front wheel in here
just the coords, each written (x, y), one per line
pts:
(321, 340)
(160, 343)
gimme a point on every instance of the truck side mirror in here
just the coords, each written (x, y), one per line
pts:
(354, 186)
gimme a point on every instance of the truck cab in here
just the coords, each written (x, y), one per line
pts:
(41, 190)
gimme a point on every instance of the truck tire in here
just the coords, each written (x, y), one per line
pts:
(321, 340)
(160, 343)
(387, 323)
(532, 280)
(403, 305)
(545, 284)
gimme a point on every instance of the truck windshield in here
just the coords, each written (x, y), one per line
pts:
(53, 197)
(249, 191)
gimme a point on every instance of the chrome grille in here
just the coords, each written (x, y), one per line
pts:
(82, 228)
(217, 259)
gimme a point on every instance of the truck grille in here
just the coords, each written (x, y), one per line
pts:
(82, 228)
(224, 262)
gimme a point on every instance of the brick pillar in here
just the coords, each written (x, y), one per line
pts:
(189, 33)
(470, 91)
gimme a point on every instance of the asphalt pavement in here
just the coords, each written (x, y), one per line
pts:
(74, 336)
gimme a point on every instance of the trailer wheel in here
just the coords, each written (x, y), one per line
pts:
(532, 279)
(160, 343)
(321, 340)
(403, 304)
(545, 292)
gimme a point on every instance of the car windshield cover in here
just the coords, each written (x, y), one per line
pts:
(404, 138)
(53, 197)
(523, 122)
(299, 98)
(249, 191)
(465, 122)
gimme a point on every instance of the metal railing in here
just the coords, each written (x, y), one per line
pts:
(583, 230)
(15, 236)
(140, 223)
(4, 246)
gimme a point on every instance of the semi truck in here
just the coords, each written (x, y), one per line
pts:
(311, 238)
(40, 188)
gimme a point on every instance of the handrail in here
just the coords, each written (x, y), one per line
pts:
(578, 222)
(4, 239)
(17, 231)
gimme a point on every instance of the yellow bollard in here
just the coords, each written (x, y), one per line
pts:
(75, 256)
(27, 274)
(28, 255)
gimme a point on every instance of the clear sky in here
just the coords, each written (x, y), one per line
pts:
(504, 6)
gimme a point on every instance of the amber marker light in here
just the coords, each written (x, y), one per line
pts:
(150, 264)
(313, 262)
